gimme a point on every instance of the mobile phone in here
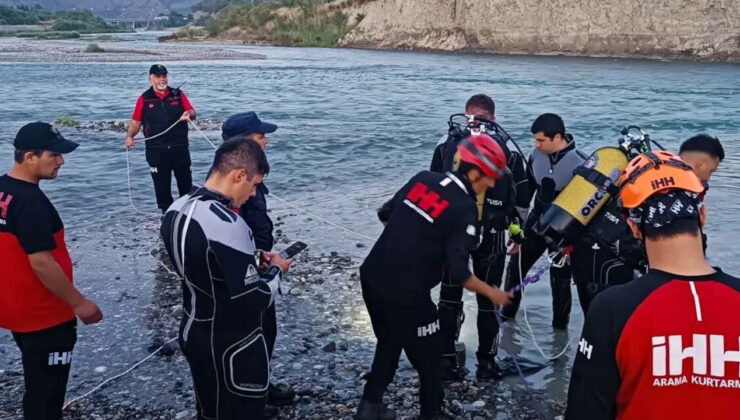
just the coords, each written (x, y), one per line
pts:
(293, 250)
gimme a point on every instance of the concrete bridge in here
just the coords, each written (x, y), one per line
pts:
(141, 23)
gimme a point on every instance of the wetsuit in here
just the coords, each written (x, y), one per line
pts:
(43, 326)
(169, 152)
(506, 202)
(254, 212)
(223, 299)
(548, 175)
(612, 255)
(431, 224)
(663, 346)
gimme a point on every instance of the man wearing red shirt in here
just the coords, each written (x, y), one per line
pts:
(665, 345)
(163, 112)
(38, 301)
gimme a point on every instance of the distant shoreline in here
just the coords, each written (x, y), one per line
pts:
(24, 50)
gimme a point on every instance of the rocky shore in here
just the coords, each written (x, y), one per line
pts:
(325, 344)
(75, 51)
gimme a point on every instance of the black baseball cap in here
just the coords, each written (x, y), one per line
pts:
(157, 69)
(42, 136)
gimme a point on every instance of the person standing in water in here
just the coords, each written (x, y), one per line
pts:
(164, 112)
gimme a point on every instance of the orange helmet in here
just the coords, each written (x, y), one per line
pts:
(652, 172)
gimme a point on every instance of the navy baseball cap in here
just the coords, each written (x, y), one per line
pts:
(245, 123)
(157, 69)
(42, 136)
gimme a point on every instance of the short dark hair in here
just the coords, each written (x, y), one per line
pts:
(704, 143)
(675, 228)
(549, 124)
(20, 154)
(238, 153)
(482, 101)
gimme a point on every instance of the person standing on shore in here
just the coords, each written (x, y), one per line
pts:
(224, 292)
(164, 113)
(248, 127)
(430, 222)
(39, 303)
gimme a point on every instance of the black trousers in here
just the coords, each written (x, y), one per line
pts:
(489, 261)
(560, 278)
(162, 163)
(230, 373)
(47, 357)
(413, 329)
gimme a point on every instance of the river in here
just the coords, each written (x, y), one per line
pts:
(354, 126)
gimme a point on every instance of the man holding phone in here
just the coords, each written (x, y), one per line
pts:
(247, 126)
(224, 294)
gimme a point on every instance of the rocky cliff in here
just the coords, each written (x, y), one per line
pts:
(689, 29)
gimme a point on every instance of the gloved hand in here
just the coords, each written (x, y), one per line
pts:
(516, 234)
(516, 238)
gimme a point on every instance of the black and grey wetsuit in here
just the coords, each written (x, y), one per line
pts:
(224, 295)
(548, 175)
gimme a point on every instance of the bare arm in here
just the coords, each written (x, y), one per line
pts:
(494, 294)
(54, 280)
(133, 129)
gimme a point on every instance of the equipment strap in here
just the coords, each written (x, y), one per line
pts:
(598, 179)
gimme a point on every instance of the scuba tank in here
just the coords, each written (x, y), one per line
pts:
(593, 185)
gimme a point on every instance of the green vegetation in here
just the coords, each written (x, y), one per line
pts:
(310, 23)
(94, 48)
(48, 34)
(66, 121)
(61, 22)
(190, 32)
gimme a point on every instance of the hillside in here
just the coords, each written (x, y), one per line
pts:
(696, 29)
(112, 9)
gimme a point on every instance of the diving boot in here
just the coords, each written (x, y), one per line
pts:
(487, 367)
(451, 369)
(374, 411)
(280, 395)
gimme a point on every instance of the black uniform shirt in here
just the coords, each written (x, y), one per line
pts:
(431, 223)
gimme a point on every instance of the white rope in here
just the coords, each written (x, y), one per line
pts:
(529, 327)
(328, 222)
(287, 203)
(113, 378)
(202, 134)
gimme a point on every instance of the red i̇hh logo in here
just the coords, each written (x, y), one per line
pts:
(426, 202)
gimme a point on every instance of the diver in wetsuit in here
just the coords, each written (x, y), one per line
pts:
(549, 170)
(506, 203)
(224, 294)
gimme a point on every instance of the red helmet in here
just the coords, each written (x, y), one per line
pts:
(485, 153)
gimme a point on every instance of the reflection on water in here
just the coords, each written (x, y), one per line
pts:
(354, 125)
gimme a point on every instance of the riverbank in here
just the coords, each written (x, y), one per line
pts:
(22, 50)
(325, 345)
(700, 31)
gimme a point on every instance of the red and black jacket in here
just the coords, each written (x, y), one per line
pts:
(660, 347)
(160, 113)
